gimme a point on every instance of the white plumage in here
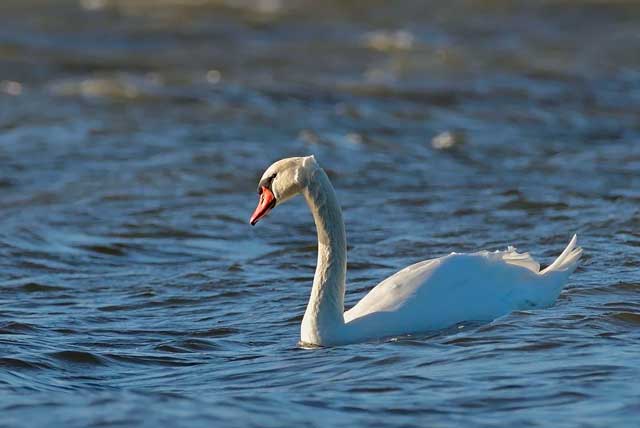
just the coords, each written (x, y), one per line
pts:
(428, 295)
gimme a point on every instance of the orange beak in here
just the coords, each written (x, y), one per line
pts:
(266, 203)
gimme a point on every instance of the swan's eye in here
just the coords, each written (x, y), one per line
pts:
(269, 180)
(266, 182)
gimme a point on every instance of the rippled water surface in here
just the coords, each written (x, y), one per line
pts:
(132, 134)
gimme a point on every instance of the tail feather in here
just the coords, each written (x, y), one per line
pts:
(568, 260)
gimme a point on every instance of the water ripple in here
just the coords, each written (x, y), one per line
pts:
(132, 135)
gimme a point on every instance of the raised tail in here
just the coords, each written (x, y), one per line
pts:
(568, 260)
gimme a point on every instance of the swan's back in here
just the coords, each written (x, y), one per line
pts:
(441, 292)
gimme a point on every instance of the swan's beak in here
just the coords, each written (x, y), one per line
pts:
(266, 203)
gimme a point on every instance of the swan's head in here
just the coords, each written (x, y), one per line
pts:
(282, 181)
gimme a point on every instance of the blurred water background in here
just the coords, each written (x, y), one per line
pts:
(132, 134)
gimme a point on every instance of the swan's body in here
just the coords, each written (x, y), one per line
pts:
(428, 295)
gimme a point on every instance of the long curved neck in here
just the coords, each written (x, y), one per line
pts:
(325, 310)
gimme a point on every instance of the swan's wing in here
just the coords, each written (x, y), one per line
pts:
(459, 287)
(511, 256)
(391, 293)
(442, 292)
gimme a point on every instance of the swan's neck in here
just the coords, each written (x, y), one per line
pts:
(325, 311)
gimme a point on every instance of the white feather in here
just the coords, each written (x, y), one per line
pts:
(428, 295)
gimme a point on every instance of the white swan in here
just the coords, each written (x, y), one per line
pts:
(428, 295)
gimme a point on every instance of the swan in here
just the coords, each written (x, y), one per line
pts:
(429, 295)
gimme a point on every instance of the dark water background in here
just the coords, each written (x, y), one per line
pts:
(132, 135)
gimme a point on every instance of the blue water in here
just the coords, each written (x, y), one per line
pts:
(132, 135)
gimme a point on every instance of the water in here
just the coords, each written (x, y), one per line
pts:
(132, 135)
